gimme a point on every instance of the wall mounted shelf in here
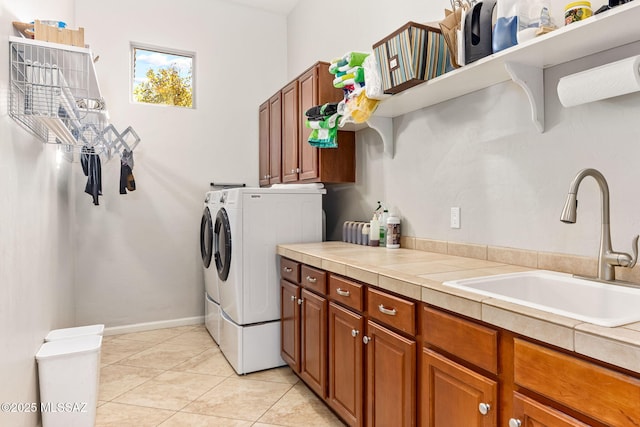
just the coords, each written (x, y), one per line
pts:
(523, 64)
(54, 93)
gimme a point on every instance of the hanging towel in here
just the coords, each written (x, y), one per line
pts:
(127, 181)
(92, 169)
(324, 133)
(321, 112)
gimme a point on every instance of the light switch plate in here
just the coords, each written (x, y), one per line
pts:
(455, 217)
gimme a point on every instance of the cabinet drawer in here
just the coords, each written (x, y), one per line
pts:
(346, 292)
(474, 343)
(314, 279)
(391, 310)
(290, 270)
(600, 393)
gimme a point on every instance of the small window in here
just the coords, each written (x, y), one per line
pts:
(162, 76)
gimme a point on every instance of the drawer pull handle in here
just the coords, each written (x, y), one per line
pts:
(484, 408)
(343, 293)
(287, 269)
(385, 310)
(311, 279)
(354, 332)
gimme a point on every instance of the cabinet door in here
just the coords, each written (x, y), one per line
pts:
(529, 413)
(263, 144)
(308, 98)
(314, 342)
(290, 135)
(290, 324)
(346, 364)
(451, 395)
(391, 378)
(275, 139)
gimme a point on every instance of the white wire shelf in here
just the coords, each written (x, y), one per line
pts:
(54, 94)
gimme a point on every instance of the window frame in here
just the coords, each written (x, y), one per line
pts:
(133, 46)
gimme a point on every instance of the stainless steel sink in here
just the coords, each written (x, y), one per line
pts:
(590, 301)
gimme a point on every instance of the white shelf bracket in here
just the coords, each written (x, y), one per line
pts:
(531, 80)
(384, 127)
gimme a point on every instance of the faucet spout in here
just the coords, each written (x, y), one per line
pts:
(605, 268)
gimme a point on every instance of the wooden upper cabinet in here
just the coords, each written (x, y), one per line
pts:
(270, 141)
(263, 144)
(308, 96)
(275, 139)
(290, 136)
(302, 162)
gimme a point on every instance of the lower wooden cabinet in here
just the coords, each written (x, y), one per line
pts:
(290, 324)
(529, 413)
(313, 342)
(355, 346)
(346, 367)
(391, 377)
(453, 395)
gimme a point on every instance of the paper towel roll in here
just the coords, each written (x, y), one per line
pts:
(609, 80)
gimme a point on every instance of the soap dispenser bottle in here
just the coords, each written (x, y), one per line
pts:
(374, 231)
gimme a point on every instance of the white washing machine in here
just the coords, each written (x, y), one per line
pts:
(212, 314)
(249, 224)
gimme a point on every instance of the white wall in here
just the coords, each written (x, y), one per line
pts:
(482, 153)
(36, 249)
(138, 254)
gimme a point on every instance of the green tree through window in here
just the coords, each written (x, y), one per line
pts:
(162, 78)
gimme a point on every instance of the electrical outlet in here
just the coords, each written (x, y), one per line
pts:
(455, 217)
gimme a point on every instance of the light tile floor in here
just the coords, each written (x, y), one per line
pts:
(178, 377)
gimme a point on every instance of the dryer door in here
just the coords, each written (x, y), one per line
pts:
(222, 244)
(206, 237)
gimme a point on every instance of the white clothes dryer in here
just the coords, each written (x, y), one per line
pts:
(249, 224)
(212, 317)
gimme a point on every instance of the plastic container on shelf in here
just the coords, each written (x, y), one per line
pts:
(393, 231)
(69, 372)
(374, 231)
(383, 227)
(577, 11)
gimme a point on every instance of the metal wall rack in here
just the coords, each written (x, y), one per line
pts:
(54, 94)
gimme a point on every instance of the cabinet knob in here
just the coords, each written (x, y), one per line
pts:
(354, 332)
(265, 177)
(297, 170)
(514, 422)
(366, 339)
(293, 171)
(484, 408)
(287, 269)
(300, 301)
(293, 297)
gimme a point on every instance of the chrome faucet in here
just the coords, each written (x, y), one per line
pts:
(607, 258)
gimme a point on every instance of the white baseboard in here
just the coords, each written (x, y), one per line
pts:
(149, 326)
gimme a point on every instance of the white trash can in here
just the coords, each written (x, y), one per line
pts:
(68, 371)
(79, 331)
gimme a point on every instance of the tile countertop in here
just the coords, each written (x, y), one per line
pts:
(419, 275)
